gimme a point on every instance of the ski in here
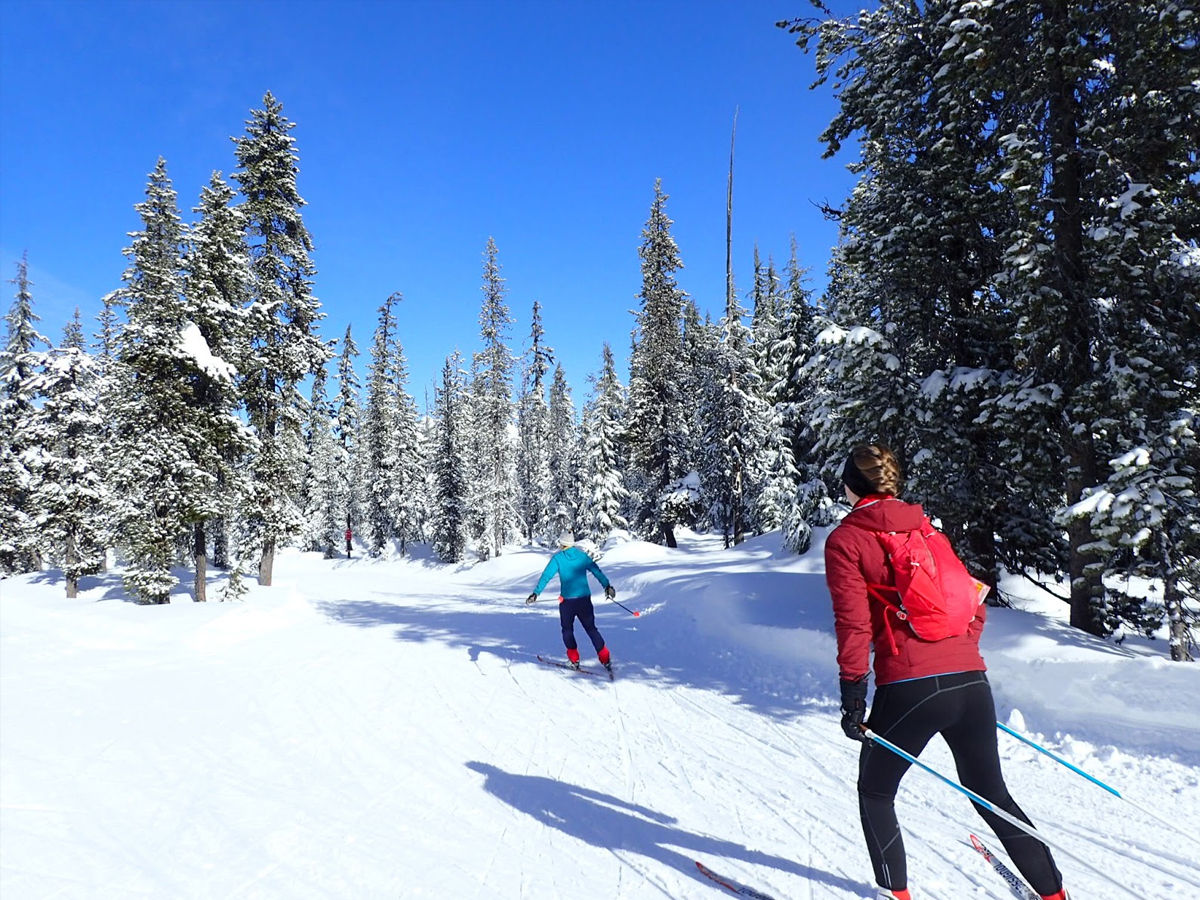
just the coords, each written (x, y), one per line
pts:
(570, 668)
(739, 889)
(1018, 887)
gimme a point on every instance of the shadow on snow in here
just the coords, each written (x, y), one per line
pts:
(609, 823)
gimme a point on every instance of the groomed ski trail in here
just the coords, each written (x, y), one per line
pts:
(381, 728)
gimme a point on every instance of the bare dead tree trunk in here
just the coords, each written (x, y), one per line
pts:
(200, 557)
(736, 526)
(267, 563)
(729, 219)
(70, 560)
(669, 535)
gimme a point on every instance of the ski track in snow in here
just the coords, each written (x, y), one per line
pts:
(382, 729)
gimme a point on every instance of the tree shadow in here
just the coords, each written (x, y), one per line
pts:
(111, 582)
(609, 823)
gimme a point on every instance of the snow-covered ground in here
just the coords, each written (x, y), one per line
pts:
(382, 729)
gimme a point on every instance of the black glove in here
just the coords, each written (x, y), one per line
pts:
(854, 707)
(532, 598)
(610, 592)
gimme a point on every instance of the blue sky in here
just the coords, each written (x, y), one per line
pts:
(423, 128)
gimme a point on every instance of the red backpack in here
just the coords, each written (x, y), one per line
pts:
(934, 593)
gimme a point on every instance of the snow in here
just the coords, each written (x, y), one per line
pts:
(196, 348)
(381, 728)
(1126, 203)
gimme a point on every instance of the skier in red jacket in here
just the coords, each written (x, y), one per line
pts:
(922, 688)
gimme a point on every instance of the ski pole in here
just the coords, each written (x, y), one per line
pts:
(632, 612)
(988, 805)
(1078, 771)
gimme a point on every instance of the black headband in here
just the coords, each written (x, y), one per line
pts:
(856, 480)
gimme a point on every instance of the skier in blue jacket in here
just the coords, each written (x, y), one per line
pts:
(571, 565)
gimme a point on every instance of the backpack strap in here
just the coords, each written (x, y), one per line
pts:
(878, 591)
(881, 591)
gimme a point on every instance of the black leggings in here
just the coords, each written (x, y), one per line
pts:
(571, 608)
(961, 709)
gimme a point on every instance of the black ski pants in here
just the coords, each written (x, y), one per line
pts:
(960, 708)
(572, 608)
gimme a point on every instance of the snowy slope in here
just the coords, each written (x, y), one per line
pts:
(381, 729)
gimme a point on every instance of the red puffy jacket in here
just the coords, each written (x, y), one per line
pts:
(854, 558)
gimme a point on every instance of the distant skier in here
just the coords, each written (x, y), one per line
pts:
(571, 565)
(349, 538)
(922, 688)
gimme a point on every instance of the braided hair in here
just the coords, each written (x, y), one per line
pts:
(873, 469)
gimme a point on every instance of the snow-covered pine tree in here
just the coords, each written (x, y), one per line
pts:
(451, 481)
(105, 352)
(321, 530)
(564, 456)
(378, 433)
(492, 464)
(603, 492)
(1051, 126)
(20, 364)
(776, 478)
(795, 396)
(345, 494)
(68, 493)
(701, 341)
(766, 320)
(918, 253)
(735, 419)
(1106, 91)
(217, 284)
(406, 496)
(1139, 123)
(658, 428)
(863, 392)
(282, 318)
(159, 483)
(534, 435)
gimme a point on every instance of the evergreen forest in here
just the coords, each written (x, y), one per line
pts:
(1013, 306)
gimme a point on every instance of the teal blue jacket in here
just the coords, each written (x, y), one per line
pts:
(571, 565)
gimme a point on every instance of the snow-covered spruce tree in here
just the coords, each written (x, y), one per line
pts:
(68, 493)
(735, 419)
(863, 392)
(1060, 113)
(1097, 128)
(451, 481)
(782, 340)
(283, 319)
(492, 460)
(217, 284)
(160, 486)
(1141, 241)
(322, 526)
(701, 339)
(20, 364)
(378, 433)
(345, 494)
(564, 456)
(766, 320)
(919, 252)
(603, 492)
(104, 351)
(406, 496)
(534, 436)
(657, 425)
(391, 471)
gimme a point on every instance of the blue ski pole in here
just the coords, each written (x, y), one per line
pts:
(990, 807)
(1078, 771)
